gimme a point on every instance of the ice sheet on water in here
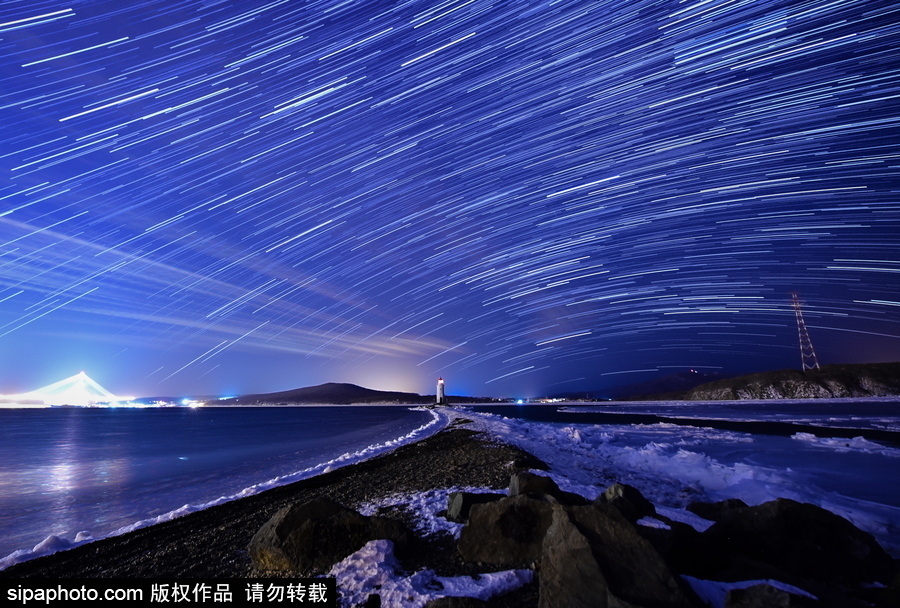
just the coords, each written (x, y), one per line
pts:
(673, 465)
(862, 413)
(854, 444)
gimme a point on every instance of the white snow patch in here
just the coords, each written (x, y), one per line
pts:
(713, 592)
(49, 545)
(652, 522)
(427, 508)
(374, 569)
(684, 516)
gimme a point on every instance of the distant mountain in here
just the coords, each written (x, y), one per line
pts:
(850, 380)
(331, 393)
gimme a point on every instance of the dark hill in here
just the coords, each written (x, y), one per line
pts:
(849, 380)
(679, 381)
(331, 393)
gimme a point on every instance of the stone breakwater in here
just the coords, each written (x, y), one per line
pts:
(615, 550)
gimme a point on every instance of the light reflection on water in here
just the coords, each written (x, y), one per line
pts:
(64, 470)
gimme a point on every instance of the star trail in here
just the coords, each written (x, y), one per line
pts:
(221, 196)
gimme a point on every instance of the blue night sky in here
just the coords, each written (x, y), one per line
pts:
(523, 197)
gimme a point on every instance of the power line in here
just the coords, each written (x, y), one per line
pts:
(807, 353)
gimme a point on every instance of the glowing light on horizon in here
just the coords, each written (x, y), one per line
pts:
(79, 389)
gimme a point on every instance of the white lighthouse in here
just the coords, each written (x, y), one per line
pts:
(440, 398)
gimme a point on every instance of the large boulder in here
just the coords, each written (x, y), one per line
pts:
(674, 543)
(628, 501)
(802, 540)
(635, 571)
(592, 556)
(713, 510)
(460, 503)
(313, 536)
(570, 576)
(757, 596)
(508, 531)
(526, 483)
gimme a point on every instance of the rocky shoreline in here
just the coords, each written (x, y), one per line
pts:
(578, 549)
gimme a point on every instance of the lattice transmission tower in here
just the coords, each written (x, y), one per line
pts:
(807, 354)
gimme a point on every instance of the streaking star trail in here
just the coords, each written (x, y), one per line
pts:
(251, 196)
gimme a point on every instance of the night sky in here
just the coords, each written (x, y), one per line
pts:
(220, 197)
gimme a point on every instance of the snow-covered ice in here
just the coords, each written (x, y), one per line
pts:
(673, 465)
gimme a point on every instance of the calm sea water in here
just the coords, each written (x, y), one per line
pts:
(67, 470)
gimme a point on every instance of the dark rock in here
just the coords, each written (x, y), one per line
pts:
(890, 595)
(529, 483)
(373, 601)
(670, 543)
(460, 503)
(628, 500)
(537, 485)
(570, 576)
(757, 596)
(802, 540)
(528, 461)
(712, 510)
(456, 602)
(635, 572)
(313, 536)
(508, 531)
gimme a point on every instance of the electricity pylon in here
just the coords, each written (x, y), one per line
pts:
(807, 354)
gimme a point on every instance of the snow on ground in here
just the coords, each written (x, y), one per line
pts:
(713, 592)
(425, 508)
(374, 569)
